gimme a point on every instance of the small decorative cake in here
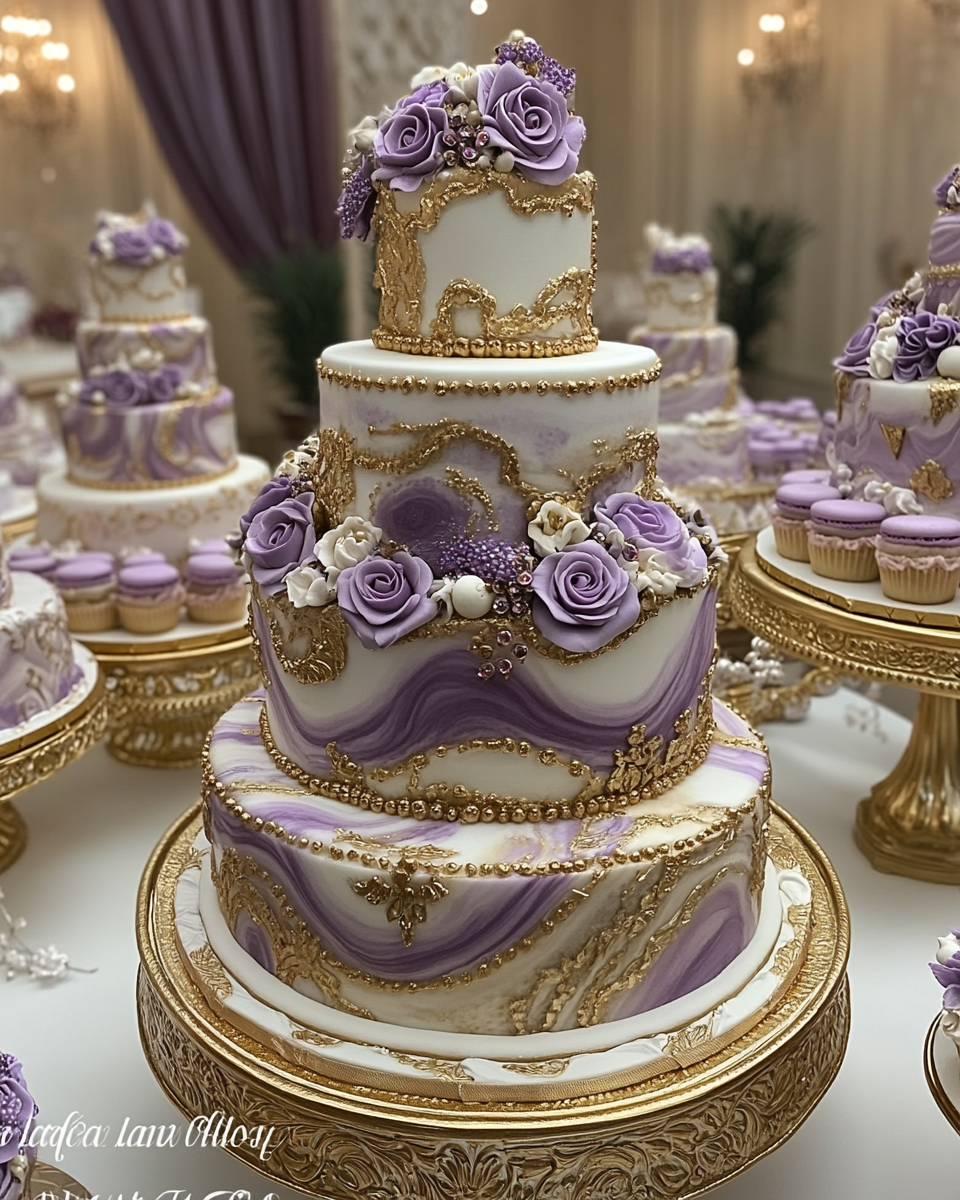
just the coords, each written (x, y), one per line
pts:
(17, 1114)
(27, 445)
(919, 558)
(150, 432)
(792, 516)
(842, 539)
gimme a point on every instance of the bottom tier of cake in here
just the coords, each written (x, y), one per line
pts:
(496, 928)
(166, 519)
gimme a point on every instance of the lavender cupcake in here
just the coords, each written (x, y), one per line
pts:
(34, 559)
(808, 475)
(792, 515)
(919, 559)
(86, 584)
(842, 539)
(216, 589)
(149, 597)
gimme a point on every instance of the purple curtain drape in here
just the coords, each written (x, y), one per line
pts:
(240, 94)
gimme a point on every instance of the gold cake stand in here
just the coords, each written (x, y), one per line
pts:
(941, 1067)
(49, 1181)
(46, 749)
(674, 1136)
(166, 692)
(910, 823)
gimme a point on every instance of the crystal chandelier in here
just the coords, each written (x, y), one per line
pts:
(785, 66)
(36, 91)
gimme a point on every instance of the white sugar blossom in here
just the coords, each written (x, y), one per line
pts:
(883, 352)
(896, 500)
(947, 947)
(463, 77)
(441, 590)
(361, 138)
(427, 75)
(844, 477)
(308, 587)
(348, 544)
(556, 526)
(913, 288)
(294, 463)
(653, 573)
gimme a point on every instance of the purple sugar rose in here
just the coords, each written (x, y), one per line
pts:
(686, 258)
(17, 1111)
(948, 976)
(431, 94)
(920, 339)
(121, 389)
(357, 202)
(273, 492)
(278, 539)
(163, 384)
(383, 598)
(165, 234)
(652, 525)
(408, 145)
(941, 193)
(133, 247)
(856, 352)
(529, 118)
(583, 598)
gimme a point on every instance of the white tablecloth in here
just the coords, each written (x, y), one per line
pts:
(876, 1136)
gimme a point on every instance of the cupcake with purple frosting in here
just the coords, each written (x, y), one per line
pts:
(919, 559)
(86, 584)
(792, 515)
(17, 1113)
(216, 589)
(149, 597)
(842, 539)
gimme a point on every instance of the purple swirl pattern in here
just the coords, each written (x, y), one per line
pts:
(186, 344)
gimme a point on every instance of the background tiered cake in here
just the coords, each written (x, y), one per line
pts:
(150, 432)
(484, 817)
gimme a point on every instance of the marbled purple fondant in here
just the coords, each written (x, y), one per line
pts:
(254, 940)
(909, 530)
(184, 343)
(37, 667)
(697, 368)
(166, 443)
(421, 514)
(443, 702)
(945, 240)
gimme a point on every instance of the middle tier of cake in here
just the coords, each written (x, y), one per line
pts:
(493, 928)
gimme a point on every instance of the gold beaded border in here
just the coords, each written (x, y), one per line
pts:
(149, 485)
(468, 387)
(483, 347)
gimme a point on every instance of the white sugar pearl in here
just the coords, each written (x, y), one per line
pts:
(504, 162)
(471, 597)
(948, 364)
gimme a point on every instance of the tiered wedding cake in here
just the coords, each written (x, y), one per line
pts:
(149, 431)
(898, 384)
(484, 808)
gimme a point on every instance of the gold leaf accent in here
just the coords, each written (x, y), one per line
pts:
(689, 1039)
(473, 488)
(332, 475)
(447, 1069)
(211, 971)
(520, 321)
(944, 394)
(893, 435)
(843, 381)
(931, 480)
(310, 644)
(406, 903)
(300, 1034)
(546, 1068)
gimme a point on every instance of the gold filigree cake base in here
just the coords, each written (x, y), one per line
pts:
(44, 751)
(910, 823)
(18, 529)
(673, 1136)
(941, 1067)
(49, 1181)
(166, 695)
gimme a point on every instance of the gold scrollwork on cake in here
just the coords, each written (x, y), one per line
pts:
(406, 900)
(311, 644)
(401, 274)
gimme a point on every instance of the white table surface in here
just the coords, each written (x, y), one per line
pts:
(877, 1135)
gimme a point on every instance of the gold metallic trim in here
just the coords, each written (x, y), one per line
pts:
(943, 270)
(47, 1182)
(944, 396)
(13, 836)
(407, 384)
(932, 1076)
(485, 347)
(19, 528)
(153, 485)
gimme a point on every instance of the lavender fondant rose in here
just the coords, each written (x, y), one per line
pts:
(920, 339)
(163, 384)
(431, 94)
(384, 598)
(408, 145)
(121, 389)
(583, 598)
(133, 246)
(279, 538)
(651, 525)
(528, 117)
(17, 1111)
(685, 258)
(856, 353)
(164, 234)
(273, 492)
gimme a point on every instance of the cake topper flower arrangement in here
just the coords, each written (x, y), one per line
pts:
(510, 116)
(141, 240)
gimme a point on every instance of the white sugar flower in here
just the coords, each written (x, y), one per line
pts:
(308, 587)
(653, 573)
(362, 137)
(463, 77)
(348, 544)
(947, 947)
(913, 288)
(883, 352)
(555, 526)
(427, 75)
(896, 500)
(293, 464)
(441, 590)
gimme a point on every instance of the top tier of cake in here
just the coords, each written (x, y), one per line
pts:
(680, 286)
(136, 268)
(898, 383)
(485, 231)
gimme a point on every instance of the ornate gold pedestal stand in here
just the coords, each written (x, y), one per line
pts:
(941, 1066)
(910, 823)
(43, 751)
(673, 1136)
(166, 692)
(48, 1180)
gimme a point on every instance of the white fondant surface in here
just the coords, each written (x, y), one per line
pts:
(150, 293)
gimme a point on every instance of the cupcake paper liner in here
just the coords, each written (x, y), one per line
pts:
(217, 612)
(792, 539)
(91, 616)
(839, 562)
(141, 618)
(915, 586)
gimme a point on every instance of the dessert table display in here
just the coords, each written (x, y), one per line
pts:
(910, 823)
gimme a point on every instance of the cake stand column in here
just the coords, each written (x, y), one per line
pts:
(13, 836)
(910, 822)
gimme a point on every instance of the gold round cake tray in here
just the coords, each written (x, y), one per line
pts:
(165, 692)
(941, 1066)
(50, 1182)
(42, 752)
(670, 1137)
(18, 528)
(910, 823)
